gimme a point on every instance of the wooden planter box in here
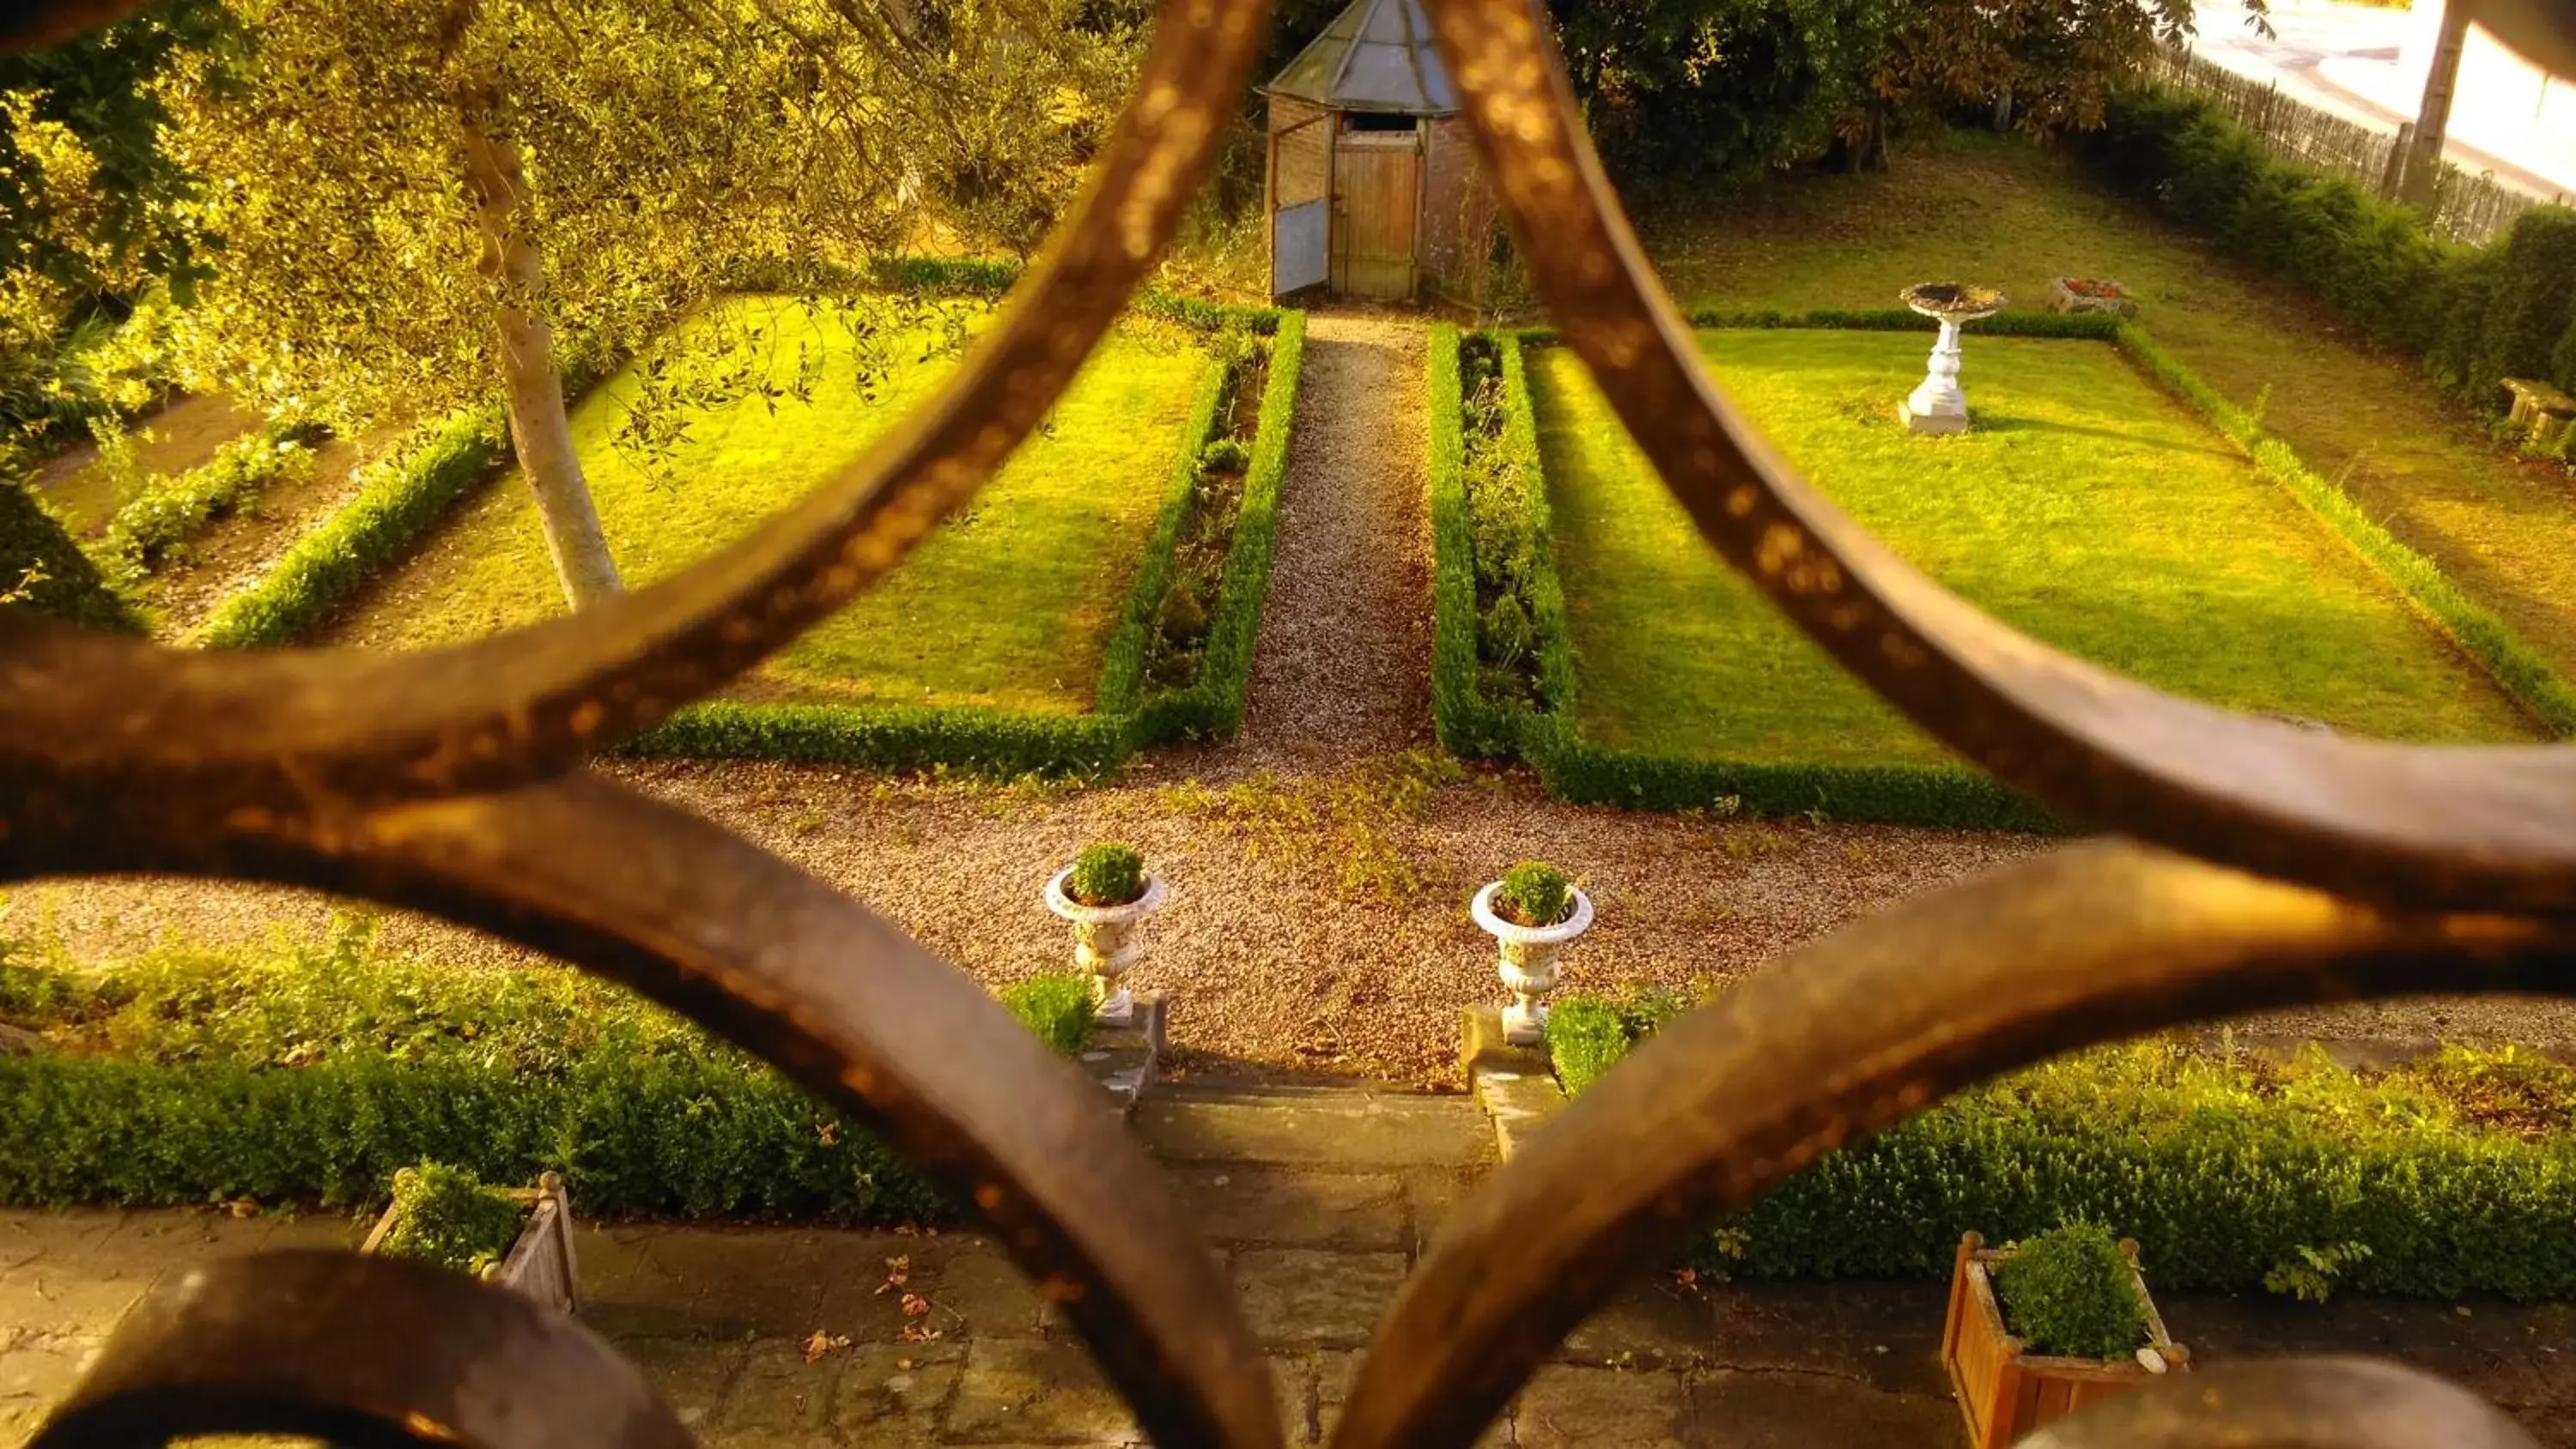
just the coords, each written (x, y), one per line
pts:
(2006, 1393)
(539, 1264)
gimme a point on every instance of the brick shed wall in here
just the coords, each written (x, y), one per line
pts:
(1300, 163)
(1458, 215)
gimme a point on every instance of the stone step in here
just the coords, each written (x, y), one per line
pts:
(1346, 1128)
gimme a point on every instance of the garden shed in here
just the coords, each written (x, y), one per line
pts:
(1373, 185)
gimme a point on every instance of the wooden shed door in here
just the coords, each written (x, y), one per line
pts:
(1377, 200)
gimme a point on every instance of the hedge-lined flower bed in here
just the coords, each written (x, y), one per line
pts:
(1543, 732)
(1475, 719)
(310, 1074)
(167, 512)
(1129, 713)
(2456, 1174)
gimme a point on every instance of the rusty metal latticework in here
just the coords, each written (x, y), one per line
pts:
(2255, 865)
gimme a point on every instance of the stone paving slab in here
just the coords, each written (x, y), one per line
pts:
(1329, 1129)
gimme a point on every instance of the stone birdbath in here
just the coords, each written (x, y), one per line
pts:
(1938, 406)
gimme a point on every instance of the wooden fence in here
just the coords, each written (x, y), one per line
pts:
(2473, 209)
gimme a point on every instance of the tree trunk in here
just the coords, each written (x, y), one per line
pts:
(540, 431)
(2433, 121)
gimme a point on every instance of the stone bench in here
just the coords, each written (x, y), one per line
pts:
(2542, 412)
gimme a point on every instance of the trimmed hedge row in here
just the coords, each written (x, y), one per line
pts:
(44, 569)
(1126, 717)
(1213, 706)
(169, 511)
(2226, 1173)
(2480, 634)
(312, 1074)
(396, 500)
(2011, 322)
(1122, 668)
(2474, 314)
(1550, 738)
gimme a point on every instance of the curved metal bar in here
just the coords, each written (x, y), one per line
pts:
(92, 724)
(810, 981)
(2298, 1403)
(2422, 827)
(1849, 1034)
(360, 1351)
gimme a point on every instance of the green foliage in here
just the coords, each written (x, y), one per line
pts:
(2521, 670)
(41, 568)
(1213, 707)
(2070, 1292)
(2532, 306)
(1469, 723)
(1534, 893)
(1505, 635)
(1146, 627)
(1107, 874)
(1225, 455)
(396, 500)
(2440, 1171)
(1000, 743)
(2475, 315)
(166, 512)
(1057, 1007)
(446, 1216)
(1586, 1036)
(91, 201)
(2310, 1276)
(311, 1071)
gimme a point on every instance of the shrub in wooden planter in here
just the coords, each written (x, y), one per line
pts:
(517, 1238)
(2009, 1385)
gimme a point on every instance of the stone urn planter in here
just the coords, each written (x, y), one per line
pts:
(1937, 406)
(2004, 1390)
(539, 1264)
(1529, 953)
(2090, 294)
(1107, 939)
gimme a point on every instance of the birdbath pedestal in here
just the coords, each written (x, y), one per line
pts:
(1937, 406)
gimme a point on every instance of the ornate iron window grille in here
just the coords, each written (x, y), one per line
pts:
(2245, 864)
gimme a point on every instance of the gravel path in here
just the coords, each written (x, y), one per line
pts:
(1344, 662)
(1274, 963)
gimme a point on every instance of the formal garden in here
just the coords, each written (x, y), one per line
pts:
(1325, 733)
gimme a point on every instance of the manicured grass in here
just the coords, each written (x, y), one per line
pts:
(2086, 508)
(1009, 606)
(1990, 209)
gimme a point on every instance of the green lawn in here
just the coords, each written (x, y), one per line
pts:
(1983, 208)
(1009, 605)
(2086, 507)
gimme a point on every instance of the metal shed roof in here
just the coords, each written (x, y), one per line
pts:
(1376, 56)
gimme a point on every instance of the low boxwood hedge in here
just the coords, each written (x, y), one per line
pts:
(397, 499)
(2455, 1174)
(310, 1073)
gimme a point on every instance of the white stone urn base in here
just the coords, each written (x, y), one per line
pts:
(1528, 966)
(1106, 941)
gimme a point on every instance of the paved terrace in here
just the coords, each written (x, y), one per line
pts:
(1321, 1200)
